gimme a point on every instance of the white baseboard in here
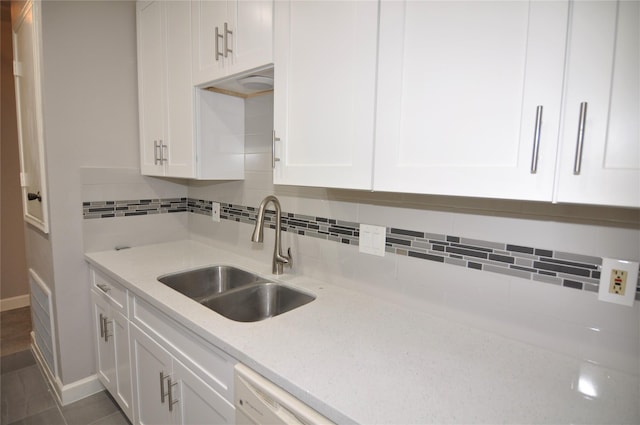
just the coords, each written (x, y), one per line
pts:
(66, 394)
(15, 302)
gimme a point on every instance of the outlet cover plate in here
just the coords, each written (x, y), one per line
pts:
(611, 267)
(215, 212)
(372, 239)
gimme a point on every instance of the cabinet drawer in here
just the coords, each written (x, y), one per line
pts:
(210, 363)
(114, 292)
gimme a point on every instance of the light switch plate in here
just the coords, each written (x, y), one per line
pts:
(372, 239)
(618, 281)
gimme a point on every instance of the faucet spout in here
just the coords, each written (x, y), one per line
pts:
(279, 259)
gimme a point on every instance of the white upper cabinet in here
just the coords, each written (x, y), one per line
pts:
(165, 89)
(603, 74)
(469, 96)
(184, 131)
(324, 92)
(230, 37)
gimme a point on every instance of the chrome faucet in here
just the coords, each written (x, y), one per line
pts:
(279, 260)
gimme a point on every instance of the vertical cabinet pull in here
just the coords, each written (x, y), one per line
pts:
(536, 140)
(156, 155)
(274, 139)
(105, 325)
(162, 393)
(227, 33)
(101, 326)
(170, 385)
(163, 148)
(577, 163)
(217, 45)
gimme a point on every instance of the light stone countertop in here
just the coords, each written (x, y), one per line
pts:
(360, 359)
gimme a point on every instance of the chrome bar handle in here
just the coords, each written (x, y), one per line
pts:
(103, 287)
(577, 163)
(162, 150)
(536, 140)
(170, 385)
(106, 328)
(227, 33)
(162, 393)
(218, 37)
(156, 157)
(274, 139)
(101, 326)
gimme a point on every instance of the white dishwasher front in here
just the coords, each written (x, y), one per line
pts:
(260, 402)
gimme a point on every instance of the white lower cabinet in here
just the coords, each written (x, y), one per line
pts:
(112, 341)
(157, 370)
(169, 392)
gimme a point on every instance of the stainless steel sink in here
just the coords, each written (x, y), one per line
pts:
(201, 284)
(235, 293)
(257, 302)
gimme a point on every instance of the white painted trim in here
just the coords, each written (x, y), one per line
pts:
(52, 325)
(15, 302)
(66, 394)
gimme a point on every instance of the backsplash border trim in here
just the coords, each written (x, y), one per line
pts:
(570, 270)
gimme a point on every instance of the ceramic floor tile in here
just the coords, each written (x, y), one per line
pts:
(90, 409)
(117, 418)
(48, 417)
(15, 361)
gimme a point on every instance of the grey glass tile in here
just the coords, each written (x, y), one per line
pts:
(89, 409)
(455, 261)
(485, 244)
(561, 268)
(407, 232)
(435, 236)
(426, 256)
(578, 258)
(467, 252)
(547, 279)
(572, 284)
(504, 270)
(518, 248)
(502, 258)
(524, 262)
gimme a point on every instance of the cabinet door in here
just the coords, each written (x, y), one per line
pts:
(198, 403)
(603, 70)
(325, 68)
(180, 159)
(27, 52)
(206, 17)
(105, 353)
(459, 85)
(150, 361)
(252, 40)
(151, 87)
(120, 341)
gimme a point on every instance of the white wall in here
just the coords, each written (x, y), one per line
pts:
(90, 118)
(561, 319)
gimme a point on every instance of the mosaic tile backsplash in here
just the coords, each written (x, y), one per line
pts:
(543, 265)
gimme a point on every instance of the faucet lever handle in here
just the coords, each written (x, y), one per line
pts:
(289, 257)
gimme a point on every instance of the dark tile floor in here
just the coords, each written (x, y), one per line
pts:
(26, 398)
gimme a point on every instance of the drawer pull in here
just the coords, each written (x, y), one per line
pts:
(103, 287)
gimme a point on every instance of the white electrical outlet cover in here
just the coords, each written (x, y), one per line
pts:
(629, 295)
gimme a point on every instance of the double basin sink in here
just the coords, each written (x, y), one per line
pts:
(235, 293)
